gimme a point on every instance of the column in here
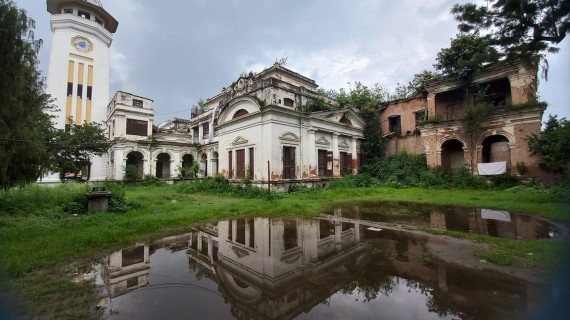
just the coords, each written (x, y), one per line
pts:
(312, 154)
(354, 163)
(336, 156)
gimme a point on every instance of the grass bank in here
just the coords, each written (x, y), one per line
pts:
(38, 235)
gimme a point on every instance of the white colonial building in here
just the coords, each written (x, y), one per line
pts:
(255, 129)
(78, 76)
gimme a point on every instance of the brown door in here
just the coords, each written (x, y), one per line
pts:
(288, 162)
(251, 163)
(230, 161)
(322, 163)
(240, 164)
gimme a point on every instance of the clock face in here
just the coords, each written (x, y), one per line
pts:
(82, 44)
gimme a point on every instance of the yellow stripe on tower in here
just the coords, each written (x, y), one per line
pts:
(79, 106)
(68, 103)
(89, 99)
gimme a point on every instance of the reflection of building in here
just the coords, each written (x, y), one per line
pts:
(277, 269)
(126, 270)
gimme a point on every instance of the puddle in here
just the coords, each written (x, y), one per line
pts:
(263, 268)
(496, 223)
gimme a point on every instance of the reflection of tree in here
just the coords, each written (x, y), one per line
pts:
(371, 283)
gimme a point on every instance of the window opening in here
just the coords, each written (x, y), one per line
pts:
(84, 14)
(137, 103)
(137, 127)
(288, 102)
(394, 124)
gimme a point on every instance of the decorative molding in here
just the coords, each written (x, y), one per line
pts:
(343, 144)
(292, 258)
(239, 140)
(240, 252)
(322, 141)
(289, 136)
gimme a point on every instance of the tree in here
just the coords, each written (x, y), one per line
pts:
(520, 28)
(553, 144)
(416, 87)
(25, 125)
(467, 54)
(74, 148)
(367, 100)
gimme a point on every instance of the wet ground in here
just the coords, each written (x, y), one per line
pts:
(341, 267)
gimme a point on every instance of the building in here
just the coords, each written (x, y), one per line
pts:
(255, 129)
(432, 125)
(78, 76)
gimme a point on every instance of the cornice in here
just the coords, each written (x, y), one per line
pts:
(70, 22)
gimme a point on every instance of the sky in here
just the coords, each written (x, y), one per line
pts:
(178, 51)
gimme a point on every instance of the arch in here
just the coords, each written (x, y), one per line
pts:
(214, 161)
(239, 113)
(187, 160)
(163, 165)
(246, 103)
(452, 155)
(289, 136)
(144, 153)
(495, 148)
(426, 146)
(443, 140)
(204, 164)
(135, 158)
(487, 134)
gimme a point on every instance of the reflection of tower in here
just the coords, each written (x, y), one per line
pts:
(126, 270)
(78, 76)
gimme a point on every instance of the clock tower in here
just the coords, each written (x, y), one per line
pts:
(78, 76)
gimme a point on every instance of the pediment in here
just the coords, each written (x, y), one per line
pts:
(240, 253)
(322, 141)
(239, 140)
(289, 136)
(343, 144)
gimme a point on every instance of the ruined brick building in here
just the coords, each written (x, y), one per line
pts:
(433, 124)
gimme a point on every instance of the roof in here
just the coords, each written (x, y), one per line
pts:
(111, 24)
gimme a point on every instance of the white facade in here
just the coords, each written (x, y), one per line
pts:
(259, 132)
(78, 76)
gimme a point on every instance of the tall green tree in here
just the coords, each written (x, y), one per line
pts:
(73, 148)
(553, 144)
(520, 28)
(25, 125)
(367, 100)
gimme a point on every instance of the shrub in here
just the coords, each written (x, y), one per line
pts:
(132, 173)
(150, 180)
(560, 193)
(464, 179)
(398, 170)
(505, 181)
(435, 178)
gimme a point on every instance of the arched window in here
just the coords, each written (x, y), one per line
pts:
(239, 113)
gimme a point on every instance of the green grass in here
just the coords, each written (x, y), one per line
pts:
(36, 237)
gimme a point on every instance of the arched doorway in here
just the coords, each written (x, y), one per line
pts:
(135, 158)
(495, 149)
(204, 164)
(163, 166)
(452, 156)
(187, 161)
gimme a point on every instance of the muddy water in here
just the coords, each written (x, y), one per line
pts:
(496, 223)
(334, 268)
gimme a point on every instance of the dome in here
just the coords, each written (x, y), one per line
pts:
(95, 2)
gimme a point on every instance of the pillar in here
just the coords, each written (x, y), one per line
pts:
(354, 160)
(312, 154)
(336, 156)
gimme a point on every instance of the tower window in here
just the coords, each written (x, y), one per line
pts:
(394, 124)
(69, 89)
(137, 103)
(288, 102)
(68, 10)
(89, 92)
(137, 127)
(99, 21)
(79, 91)
(84, 14)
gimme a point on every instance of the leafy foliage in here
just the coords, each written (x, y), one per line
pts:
(188, 172)
(521, 28)
(221, 185)
(73, 148)
(505, 181)
(467, 54)
(24, 122)
(416, 87)
(132, 173)
(464, 179)
(553, 144)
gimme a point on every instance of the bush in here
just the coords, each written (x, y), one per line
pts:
(560, 193)
(221, 185)
(398, 170)
(150, 180)
(505, 181)
(464, 179)
(132, 173)
(436, 178)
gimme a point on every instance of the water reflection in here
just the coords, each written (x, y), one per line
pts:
(496, 223)
(337, 268)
